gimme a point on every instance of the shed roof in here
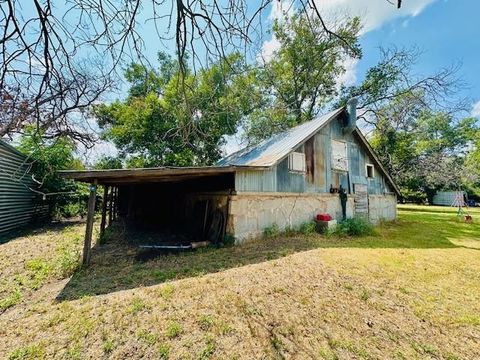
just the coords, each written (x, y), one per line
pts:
(158, 174)
(270, 151)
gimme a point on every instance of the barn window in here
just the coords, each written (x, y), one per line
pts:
(370, 171)
(339, 155)
(296, 162)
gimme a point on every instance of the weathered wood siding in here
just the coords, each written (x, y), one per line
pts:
(19, 205)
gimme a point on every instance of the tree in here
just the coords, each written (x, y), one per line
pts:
(301, 77)
(170, 120)
(393, 79)
(108, 162)
(47, 158)
(426, 153)
(44, 50)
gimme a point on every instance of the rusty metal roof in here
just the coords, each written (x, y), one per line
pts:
(270, 151)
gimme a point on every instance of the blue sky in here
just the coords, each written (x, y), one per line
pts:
(446, 31)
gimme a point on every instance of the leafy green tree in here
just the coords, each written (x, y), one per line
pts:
(301, 77)
(48, 157)
(108, 162)
(427, 153)
(171, 120)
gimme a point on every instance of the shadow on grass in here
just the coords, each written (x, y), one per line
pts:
(115, 265)
(38, 229)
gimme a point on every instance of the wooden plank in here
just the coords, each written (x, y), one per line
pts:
(87, 246)
(110, 208)
(118, 174)
(115, 204)
(361, 199)
(104, 210)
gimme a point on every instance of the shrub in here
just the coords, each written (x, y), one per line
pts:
(174, 329)
(356, 226)
(229, 239)
(71, 210)
(307, 228)
(271, 231)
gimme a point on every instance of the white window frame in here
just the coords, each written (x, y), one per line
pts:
(296, 162)
(339, 163)
(373, 171)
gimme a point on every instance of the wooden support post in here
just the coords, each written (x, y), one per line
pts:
(87, 247)
(110, 206)
(115, 204)
(104, 210)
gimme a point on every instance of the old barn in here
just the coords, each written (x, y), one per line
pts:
(284, 180)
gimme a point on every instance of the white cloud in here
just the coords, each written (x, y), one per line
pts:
(268, 49)
(374, 13)
(233, 143)
(280, 10)
(349, 77)
(476, 110)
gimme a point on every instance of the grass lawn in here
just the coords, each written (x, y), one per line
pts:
(411, 291)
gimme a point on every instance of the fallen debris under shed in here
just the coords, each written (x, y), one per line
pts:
(193, 245)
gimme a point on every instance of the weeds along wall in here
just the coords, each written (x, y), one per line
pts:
(251, 213)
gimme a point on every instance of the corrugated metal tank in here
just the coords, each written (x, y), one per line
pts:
(446, 198)
(19, 205)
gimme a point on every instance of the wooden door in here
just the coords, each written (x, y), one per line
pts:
(361, 200)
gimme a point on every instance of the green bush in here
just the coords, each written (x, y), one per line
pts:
(271, 231)
(229, 239)
(356, 226)
(307, 228)
(71, 210)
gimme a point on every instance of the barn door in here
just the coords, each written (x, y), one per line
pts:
(361, 200)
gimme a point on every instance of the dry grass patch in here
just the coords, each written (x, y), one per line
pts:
(408, 292)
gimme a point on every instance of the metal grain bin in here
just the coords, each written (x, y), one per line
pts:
(446, 198)
(20, 205)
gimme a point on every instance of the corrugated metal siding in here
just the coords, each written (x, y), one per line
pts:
(288, 181)
(319, 181)
(18, 204)
(446, 198)
(256, 180)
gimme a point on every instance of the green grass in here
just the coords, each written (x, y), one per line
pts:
(56, 257)
(174, 329)
(409, 290)
(29, 352)
(417, 227)
(137, 305)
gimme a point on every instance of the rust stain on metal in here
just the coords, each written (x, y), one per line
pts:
(310, 159)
